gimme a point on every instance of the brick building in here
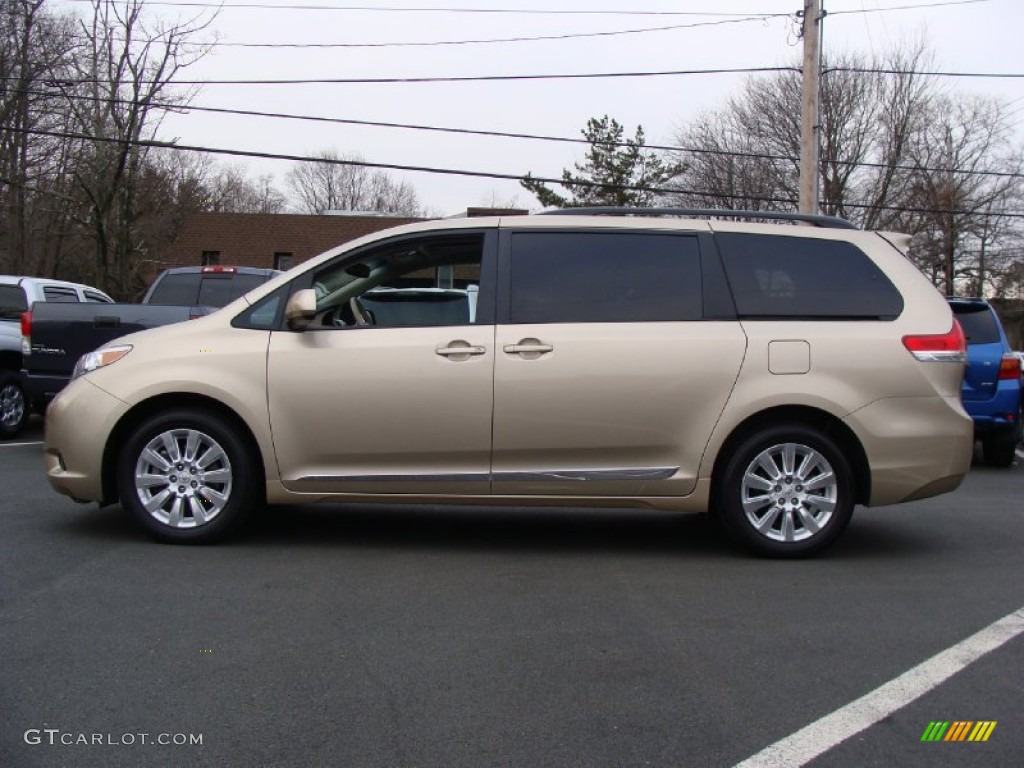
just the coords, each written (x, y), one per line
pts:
(279, 241)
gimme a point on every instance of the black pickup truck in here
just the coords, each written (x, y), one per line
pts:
(55, 335)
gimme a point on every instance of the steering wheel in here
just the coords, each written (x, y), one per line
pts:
(359, 313)
(348, 315)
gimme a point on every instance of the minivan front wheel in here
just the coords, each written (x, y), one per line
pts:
(786, 491)
(187, 476)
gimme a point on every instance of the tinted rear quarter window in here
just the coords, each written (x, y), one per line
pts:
(12, 302)
(611, 277)
(179, 289)
(777, 276)
(978, 322)
(219, 290)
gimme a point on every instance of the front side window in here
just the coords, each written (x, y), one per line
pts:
(434, 281)
(776, 276)
(609, 277)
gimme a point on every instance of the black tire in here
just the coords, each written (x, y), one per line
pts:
(797, 516)
(204, 493)
(1000, 449)
(14, 406)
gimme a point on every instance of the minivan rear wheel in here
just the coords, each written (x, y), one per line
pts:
(786, 491)
(187, 476)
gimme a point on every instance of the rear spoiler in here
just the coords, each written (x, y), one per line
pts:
(898, 240)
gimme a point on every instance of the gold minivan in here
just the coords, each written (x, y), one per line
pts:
(774, 374)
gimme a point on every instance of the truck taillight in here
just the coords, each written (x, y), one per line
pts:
(939, 347)
(26, 332)
(1009, 367)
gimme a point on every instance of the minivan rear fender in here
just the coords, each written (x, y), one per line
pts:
(825, 422)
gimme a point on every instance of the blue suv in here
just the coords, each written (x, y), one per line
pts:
(992, 382)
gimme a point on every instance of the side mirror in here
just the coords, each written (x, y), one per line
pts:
(300, 309)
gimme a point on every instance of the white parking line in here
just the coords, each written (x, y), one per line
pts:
(820, 736)
(40, 442)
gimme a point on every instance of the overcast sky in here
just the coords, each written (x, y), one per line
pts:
(978, 36)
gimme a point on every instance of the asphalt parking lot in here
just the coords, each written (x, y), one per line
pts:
(421, 636)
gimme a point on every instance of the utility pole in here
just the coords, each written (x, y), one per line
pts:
(809, 123)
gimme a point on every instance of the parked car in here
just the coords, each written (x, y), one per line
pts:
(992, 383)
(17, 294)
(774, 374)
(55, 336)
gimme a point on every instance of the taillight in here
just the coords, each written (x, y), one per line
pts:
(218, 270)
(939, 348)
(26, 333)
(1009, 367)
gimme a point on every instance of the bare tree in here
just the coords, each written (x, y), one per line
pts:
(955, 195)
(34, 47)
(896, 153)
(747, 153)
(125, 68)
(231, 190)
(341, 183)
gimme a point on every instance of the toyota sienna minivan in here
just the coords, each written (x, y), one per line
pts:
(775, 374)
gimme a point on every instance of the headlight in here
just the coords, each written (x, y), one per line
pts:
(99, 358)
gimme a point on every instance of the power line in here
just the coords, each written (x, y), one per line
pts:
(564, 76)
(408, 9)
(503, 11)
(489, 41)
(525, 136)
(861, 11)
(923, 73)
(462, 172)
(452, 79)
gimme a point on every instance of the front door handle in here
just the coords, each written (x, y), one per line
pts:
(460, 350)
(528, 349)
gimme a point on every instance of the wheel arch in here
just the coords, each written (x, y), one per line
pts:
(808, 416)
(154, 405)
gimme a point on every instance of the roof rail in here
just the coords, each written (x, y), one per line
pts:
(831, 222)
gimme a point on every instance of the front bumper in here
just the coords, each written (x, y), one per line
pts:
(78, 425)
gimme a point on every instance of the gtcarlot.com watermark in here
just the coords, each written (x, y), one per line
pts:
(56, 737)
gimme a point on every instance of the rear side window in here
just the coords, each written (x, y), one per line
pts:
(176, 289)
(217, 291)
(604, 277)
(65, 295)
(774, 276)
(12, 302)
(978, 322)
